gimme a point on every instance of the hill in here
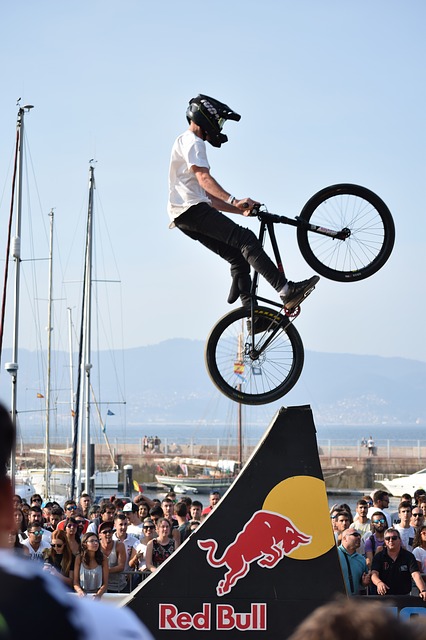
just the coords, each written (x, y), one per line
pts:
(167, 382)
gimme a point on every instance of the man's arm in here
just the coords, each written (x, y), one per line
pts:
(417, 577)
(382, 588)
(218, 194)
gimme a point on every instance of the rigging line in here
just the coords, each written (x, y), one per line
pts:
(103, 427)
(9, 235)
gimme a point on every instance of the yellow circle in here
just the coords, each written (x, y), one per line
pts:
(303, 499)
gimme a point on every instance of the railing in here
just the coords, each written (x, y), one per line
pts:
(384, 448)
(217, 447)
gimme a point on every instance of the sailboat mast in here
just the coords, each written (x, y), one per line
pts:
(88, 325)
(72, 403)
(12, 367)
(49, 352)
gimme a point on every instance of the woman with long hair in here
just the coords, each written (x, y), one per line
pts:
(419, 548)
(160, 548)
(59, 559)
(73, 537)
(21, 523)
(91, 568)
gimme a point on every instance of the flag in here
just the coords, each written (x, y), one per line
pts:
(137, 486)
(110, 413)
(40, 395)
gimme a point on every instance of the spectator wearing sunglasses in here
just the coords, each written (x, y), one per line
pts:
(73, 535)
(417, 518)
(59, 559)
(115, 552)
(354, 566)
(393, 568)
(374, 542)
(138, 561)
(35, 543)
(35, 516)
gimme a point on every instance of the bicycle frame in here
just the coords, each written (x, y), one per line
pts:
(267, 221)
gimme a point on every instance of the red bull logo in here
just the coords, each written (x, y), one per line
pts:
(266, 538)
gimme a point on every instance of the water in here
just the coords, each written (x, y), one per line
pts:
(209, 433)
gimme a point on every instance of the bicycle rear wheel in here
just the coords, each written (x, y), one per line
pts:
(371, 233)
(254, 373)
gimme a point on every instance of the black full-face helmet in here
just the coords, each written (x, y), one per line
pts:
(210, 115)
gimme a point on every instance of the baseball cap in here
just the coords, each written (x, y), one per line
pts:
(128, 507)
(105, 525)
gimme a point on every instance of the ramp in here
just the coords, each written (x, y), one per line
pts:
(263, 559)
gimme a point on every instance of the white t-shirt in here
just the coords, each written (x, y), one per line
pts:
(420, 555)
(135, 530)
(36, 555)
(407, 536)
(129, 542)
(184, 190)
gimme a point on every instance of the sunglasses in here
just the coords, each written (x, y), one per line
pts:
(36, 533)
(71, 524)
(379, 521)
(387, 538)
(56, 546)
(71, 507)
(417, 515)
(149, 527)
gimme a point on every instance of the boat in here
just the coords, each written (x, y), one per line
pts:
(399, 484)
(52, 481)
(211, 476)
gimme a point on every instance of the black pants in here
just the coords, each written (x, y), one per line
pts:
(236, 244)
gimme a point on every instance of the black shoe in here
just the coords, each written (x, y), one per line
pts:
(261, 324)
(297, 292)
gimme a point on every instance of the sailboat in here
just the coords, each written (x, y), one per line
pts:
(51, 481)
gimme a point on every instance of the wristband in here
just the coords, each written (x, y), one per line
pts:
(231, 200)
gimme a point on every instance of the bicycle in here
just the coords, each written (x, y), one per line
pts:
(346, 233)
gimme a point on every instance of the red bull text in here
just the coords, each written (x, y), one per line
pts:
(225, 619)
(266, 538)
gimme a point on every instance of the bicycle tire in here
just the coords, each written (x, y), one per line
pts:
(243, 379)
(371, 226)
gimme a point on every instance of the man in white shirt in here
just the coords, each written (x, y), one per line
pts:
(381, 503)
(35, 543)
(196, 201)
(406, 531)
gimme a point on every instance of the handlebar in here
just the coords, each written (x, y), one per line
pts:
(265, 215)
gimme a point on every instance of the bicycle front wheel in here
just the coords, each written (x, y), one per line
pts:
(370, 233)
(254, 372)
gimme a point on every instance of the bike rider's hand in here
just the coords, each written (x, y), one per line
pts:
(245, 205)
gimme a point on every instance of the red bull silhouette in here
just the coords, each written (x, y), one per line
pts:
(267, 537)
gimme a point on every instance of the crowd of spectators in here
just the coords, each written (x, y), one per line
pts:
(382, 552)
(106, 547)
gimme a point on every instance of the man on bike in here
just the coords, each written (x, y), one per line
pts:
(196, 201)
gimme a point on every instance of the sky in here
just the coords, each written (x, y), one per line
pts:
(329, 92)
